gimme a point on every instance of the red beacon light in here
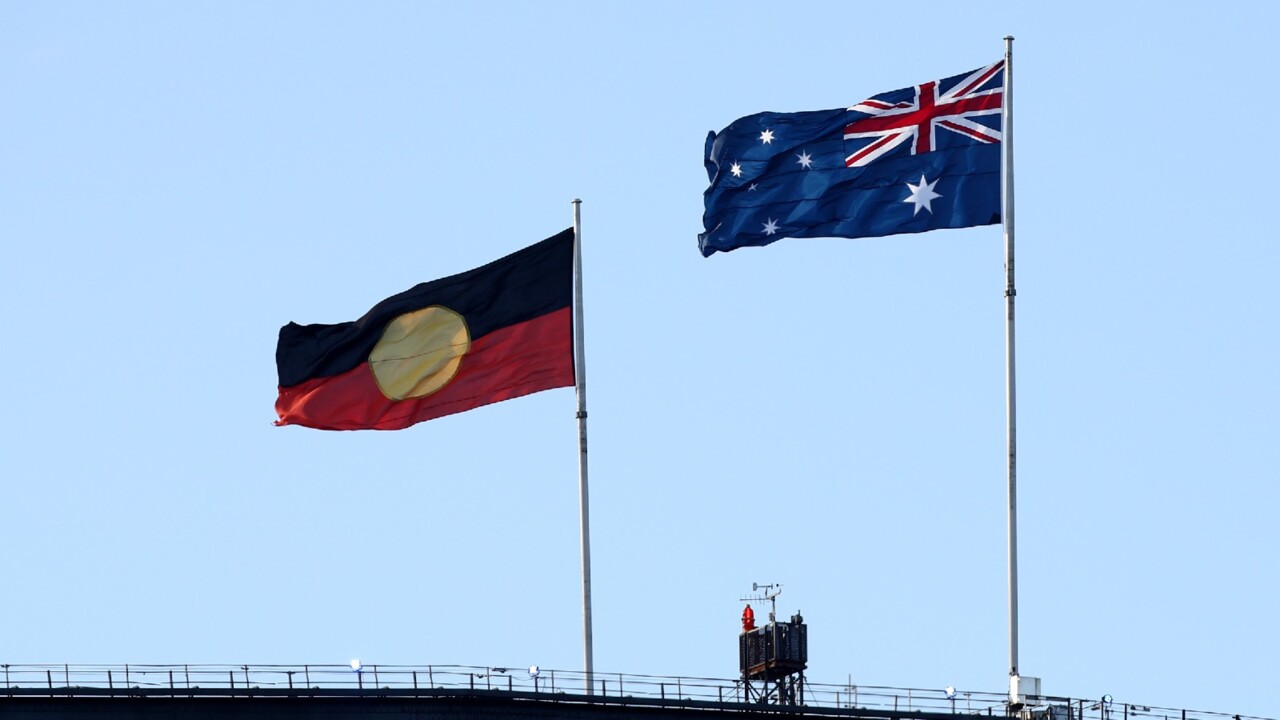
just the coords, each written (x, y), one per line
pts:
(748, 619)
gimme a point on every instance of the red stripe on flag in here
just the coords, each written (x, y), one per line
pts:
(858, 156)
(967, 131)
(507, 363)
(991, 71)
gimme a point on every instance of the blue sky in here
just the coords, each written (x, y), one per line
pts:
(178, 180)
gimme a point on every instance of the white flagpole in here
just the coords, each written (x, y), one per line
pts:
(580, 376)
(1010, 385)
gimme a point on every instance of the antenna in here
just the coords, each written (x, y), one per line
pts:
(771, 593)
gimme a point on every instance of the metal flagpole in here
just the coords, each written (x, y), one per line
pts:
(1015, 690)
(580, 377)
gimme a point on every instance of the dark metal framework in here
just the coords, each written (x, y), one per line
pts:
(772, 660)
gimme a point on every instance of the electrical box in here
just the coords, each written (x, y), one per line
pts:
(1023, 690)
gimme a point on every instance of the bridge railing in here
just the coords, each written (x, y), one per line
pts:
(847, 699)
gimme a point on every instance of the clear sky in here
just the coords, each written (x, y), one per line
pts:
(178, 180)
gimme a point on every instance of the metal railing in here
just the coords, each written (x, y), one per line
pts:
(820, 699)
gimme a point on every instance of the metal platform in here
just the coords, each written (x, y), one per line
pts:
(454, 692)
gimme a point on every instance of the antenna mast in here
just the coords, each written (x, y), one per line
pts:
(771, 593)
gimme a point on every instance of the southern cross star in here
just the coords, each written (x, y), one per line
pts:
(736, 169)
(766, 137)
(771, 227)
(922, 195)
(805, 159)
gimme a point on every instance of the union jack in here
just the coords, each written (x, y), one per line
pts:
(893, 123)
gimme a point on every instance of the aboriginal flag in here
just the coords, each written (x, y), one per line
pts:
(486, 335)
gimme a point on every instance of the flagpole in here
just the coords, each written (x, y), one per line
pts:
(1015, 690)
(580, 380)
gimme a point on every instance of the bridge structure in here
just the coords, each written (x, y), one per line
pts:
(453, 692)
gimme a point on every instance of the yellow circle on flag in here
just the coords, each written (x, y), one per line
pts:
(419, 352)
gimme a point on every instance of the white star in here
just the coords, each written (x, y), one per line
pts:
(771, 227)
(752, 188)
(922, 195)
(736, 169)
(766, 137)
(805, 159)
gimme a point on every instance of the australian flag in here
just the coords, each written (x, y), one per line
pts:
(912, 160)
